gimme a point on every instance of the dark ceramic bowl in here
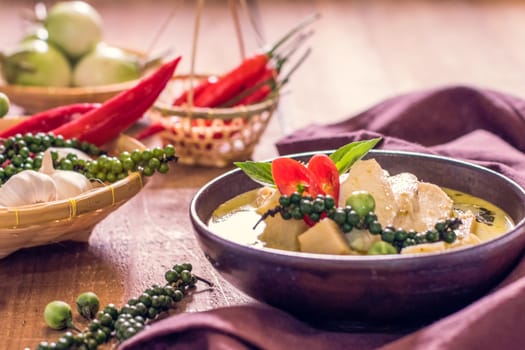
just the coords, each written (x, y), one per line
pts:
(370, 291)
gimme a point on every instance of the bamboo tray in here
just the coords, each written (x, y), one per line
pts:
(69, 219)
(210, 136)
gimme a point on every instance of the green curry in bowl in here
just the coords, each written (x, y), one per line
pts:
(418, 217)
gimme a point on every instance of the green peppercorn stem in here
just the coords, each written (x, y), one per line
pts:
(298, 207)
(125, 322)
(25, 152)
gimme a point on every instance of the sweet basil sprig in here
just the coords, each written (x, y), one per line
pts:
(344, 157)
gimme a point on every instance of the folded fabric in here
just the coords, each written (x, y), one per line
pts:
(478, 125)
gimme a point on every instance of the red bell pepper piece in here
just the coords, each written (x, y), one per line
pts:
(103, 124)
(292, 176)
(50, 119)
(327, 176)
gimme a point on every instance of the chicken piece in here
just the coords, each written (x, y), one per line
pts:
(367, 175)
(434, 205)
(404, 186)
(465, 232)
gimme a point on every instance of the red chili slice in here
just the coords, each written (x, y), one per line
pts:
(292, 176)
(326, 174)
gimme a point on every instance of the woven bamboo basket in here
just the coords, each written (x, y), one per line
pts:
(70, 219)
(210, 136)
(39, 98)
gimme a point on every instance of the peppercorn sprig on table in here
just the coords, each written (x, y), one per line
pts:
(113, 324)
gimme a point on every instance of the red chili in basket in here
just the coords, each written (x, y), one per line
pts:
(232, 82)
(105, 123)
(50, 119)
(197, 90)
(263, 87)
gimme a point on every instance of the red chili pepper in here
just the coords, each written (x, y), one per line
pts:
(50, 119)
(121, 111)
(232, 82)
(150, 131)
(262, 87)
(292, 176)
(326, 174)
(197, 90)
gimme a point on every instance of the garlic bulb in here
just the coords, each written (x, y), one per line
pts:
(27, 187)
(68, 183)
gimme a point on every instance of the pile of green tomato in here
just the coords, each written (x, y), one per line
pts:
(64, 48)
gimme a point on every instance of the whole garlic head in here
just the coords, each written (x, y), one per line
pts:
(68, 183)
(27, 187)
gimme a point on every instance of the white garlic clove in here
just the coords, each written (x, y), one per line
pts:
(27, 187)
(70, 184)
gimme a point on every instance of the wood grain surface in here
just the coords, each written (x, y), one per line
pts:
(363, 52)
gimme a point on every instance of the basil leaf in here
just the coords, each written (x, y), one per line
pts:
(347, 155)
(259, 171)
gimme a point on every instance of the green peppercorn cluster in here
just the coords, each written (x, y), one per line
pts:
(297, 206)
(111, 169)
(134, 316)
(25, 152)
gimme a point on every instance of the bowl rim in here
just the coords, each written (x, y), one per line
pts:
(201, 228)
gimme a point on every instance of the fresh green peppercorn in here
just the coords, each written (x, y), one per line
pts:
(449, 236)
(375, 228)
(400, 235)
(315, 216)
(295, 198)
(352, 217)
(432, 236)
(388, 235)
(94, 325)
(339, 216)
(169, 151)
(329, 202)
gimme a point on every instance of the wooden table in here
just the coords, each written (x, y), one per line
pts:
(363, 52)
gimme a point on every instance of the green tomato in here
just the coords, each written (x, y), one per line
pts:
(88, 305)
(36, 32)
(362, 202)
(4, 104)
(37, 63)
(74, 26)
(382, 248)
(106, 65)
(58, 315)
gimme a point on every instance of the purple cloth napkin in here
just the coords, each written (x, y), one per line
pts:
(479, 125)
